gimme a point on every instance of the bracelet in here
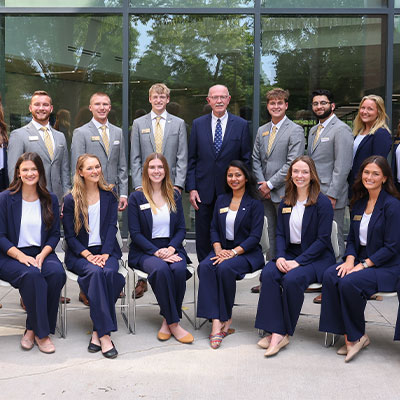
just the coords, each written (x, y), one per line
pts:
(90, 254)
(234, 252)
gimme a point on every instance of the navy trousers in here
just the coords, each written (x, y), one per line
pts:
(203, 219)
(40, 289)
(102, 287)
(217, 287)
(168, 281)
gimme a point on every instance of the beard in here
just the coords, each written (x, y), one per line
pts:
(325, 115)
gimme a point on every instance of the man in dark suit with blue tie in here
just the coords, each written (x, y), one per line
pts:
(216, 139)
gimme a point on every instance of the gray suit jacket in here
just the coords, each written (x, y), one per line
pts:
(174, 148)
(289, 143)
(86, 139)
(27, 138)
(333, 157)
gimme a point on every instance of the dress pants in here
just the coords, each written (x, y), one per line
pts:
(271, 212)
(168, 281)
(102, 287)
(217, 286)
(338, 217)
(40, 289)
(282, 295)
(203, 219)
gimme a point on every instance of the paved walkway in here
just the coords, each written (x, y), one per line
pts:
(149, 369)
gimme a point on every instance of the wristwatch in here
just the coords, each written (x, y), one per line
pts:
(364, 263)
(234, 252)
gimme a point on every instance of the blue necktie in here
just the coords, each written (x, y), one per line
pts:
(218, 136)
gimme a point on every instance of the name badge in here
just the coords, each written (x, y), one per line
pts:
(266, 133)
(223, 210)
(116, 141)
(357, 218)
(95, 138)
(324, 139)
(146, 130)
(286, 210)
(33, 138)
(145, 206)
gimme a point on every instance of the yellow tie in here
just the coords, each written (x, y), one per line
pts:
(319, 129)
(105, 138)
(158, 135)
(271, 140)
(47, 141)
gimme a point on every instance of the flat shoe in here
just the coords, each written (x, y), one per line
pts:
(112, 353)
(318, 299)
(275, 349)
(187, 339)
(83, 299)
(265, 342)
(26, 343)
(93, 348)
(230, 331)
(45, 348)
(342, 351)
(216, 340)
(163, 336)
(66, 300)
(355, 349)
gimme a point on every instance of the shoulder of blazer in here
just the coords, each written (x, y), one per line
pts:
(263, 128)
(323, 200)
(224, 198)
(114, 127)
(139, 196)
(174, 118)
(236, 119)
(203, 119)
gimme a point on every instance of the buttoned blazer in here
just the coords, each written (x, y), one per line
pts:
(174, 147)
(108, 227)
(140, 221)
(248, 227)
(378, 144)
(383, 239)
(333, 156)
(394, 163)
(10, 223)
(57, 171)
(289, 143)
(316, 228)
(206, 169)
(4, 181)
(87, 139)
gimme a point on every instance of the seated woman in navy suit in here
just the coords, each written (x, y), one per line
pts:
(371, 133)
(372, 257)
(236, 230)
(157, 229)
(90, 224)
(303, 250)
(29, 233)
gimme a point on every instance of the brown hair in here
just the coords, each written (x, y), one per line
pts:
(277, 93)
(41, 93)
(100, 94)
(44, 195)
(167, 189)
(291, 188)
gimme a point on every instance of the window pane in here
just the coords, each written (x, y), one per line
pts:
(323, 3)
(396, 77)
(192, 3)
(343, 54)
(61, 3)
(190, 54)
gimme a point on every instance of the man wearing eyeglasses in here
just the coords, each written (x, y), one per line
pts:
(216, 139)
(330, 145)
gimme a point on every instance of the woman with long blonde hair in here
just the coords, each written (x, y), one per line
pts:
(371, 133)
(90, 226)
(157, 229)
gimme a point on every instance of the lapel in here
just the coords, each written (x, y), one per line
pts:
(228, 130)
(324, 133)
(376, 214)
(16, 212)
(266, 138)
(279, 134)
(95, 132)
(167, 127)
(286, 219)
(146, 213)
(112, 138)
(208, 133)
(149, 125)
(57, 142)
(308, 212)
(359, 211)
(242, 211)
(32, 131)
(225, 201)
(362, 144)
(104, 204)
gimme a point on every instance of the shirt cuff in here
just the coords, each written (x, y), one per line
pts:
(124, 196)
(270, 185)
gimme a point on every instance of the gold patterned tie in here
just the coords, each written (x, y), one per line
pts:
(158, 135)
(271, 140)
(104, 136)
(317, 134)
(47, 141)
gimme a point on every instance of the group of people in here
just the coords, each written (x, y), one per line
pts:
(232, 191)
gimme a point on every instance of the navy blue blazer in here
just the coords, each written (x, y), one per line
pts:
(394, 163)
(108, 227)
(140, 221)
(316, 229)
(248, 227)
(383, 238)
(4, 183)
(378, 144)
(10, 223)
(206, 170)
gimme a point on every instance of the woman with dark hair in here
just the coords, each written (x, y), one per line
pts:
(3, 150)
(90, 226)
(303, 252)
(372, 257)
(157, 229)
(29, 233)
(236, 230)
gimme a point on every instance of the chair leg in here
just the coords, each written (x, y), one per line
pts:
(134, 302)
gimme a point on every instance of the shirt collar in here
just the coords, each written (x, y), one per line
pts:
(154, 115)
(279, 124)
(214, 118)
(326, 122)
(98, 124)
(38, 126)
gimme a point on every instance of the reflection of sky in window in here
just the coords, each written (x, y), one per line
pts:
(268, 71)
(143, 40)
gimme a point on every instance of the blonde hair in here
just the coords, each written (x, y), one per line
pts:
(380, 122)
(159, 88)
(167, 189)
(81, 215)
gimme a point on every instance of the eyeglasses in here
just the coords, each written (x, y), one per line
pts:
(322, 103)
(218, 97)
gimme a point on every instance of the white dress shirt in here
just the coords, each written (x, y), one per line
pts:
(161, 222)
(224, 121)
(358, 139)
(98, 125)
(296, 222)
(31, 224)
(163, 120)
(364, 228)
(41, 133)
(230, 224)
(94, 224)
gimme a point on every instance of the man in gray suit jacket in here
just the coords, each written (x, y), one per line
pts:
(161, 132)
(277, 144)
(39, 137)
(106, 141)
(330, 145)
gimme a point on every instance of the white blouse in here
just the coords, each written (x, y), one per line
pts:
(31, 224)
(230, 224)
(94, 224)
(358, 139)
(364, 228)
(296, 222)
(161, 222)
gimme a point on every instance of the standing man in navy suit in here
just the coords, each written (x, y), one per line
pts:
(216, 139)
